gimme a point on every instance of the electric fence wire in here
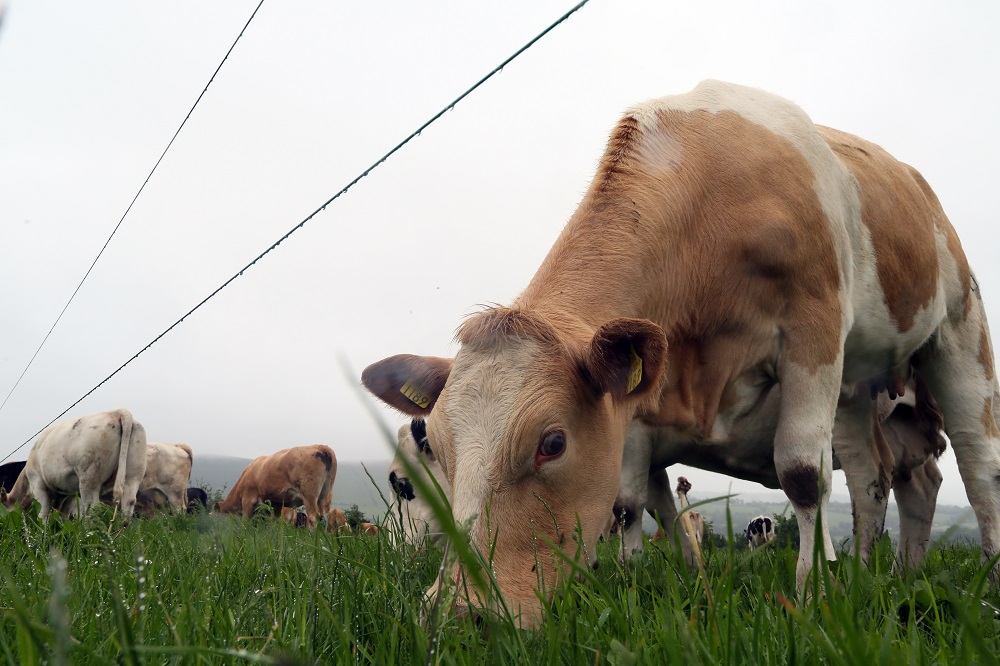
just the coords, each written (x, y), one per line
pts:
(115, 230)
(451, 105)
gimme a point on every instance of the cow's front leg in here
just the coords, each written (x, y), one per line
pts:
(44, 500)
(867, 462)
(631, 501)
(803, 453)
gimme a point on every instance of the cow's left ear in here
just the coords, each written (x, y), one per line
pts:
(626, 358)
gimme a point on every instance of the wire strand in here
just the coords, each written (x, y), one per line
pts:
(115, 230)
(318, 210)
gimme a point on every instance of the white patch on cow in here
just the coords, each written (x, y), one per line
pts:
(482, 392)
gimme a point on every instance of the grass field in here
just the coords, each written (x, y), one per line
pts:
(214, 589)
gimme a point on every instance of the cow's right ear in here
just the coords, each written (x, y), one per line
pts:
(409, 383)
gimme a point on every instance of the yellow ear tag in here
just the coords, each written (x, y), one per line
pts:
(415, 395)
(635, 374)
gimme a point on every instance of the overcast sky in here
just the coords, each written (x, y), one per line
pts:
(91, 92)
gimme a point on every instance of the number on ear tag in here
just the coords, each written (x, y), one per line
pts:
(635, 374)
(415, 395)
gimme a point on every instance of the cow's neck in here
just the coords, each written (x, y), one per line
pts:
(616, 258)
(612, 260)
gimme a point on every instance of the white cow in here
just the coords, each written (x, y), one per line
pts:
(167, 477)
(105, 451)
(418, 520)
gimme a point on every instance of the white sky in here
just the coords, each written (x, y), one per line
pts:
(90, 93)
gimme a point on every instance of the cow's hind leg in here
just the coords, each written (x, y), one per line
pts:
(958, 367)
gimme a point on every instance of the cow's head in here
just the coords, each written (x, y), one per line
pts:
(409, 480)
(529, 425)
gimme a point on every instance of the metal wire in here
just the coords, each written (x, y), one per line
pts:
(318, 210)
(115, 230)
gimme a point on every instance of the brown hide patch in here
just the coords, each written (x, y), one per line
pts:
(989, 423)
(758, 249)
(986, 352)
(901, 219)
(801, 485)
(944, 227)
(730, 241)
(723, 234)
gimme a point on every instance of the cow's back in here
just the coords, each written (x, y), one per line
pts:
(90, 443)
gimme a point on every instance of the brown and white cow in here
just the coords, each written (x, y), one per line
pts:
(103, 452)
(414, 512)
(299, 476)
(762, 251)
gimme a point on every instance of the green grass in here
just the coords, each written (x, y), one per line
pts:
(214, 589)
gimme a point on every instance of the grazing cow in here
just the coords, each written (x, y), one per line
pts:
(299, 476)
(197, 500)
(762, 251)
(367, 528)
(95, 453)
(760, 530)
(294, 515)
(168, 473)
(336, 521)
(415, 514)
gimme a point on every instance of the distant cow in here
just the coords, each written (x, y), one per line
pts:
(197, 500)
(760, 530)
(336, 521)
(294, 515)
(299, 476)
(696, 521)
(367, 528)
(105, 451)
(168, 472)
(418, 520)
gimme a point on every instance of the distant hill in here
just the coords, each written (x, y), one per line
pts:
(352, 485)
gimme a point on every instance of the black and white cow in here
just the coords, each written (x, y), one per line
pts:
(760, 530)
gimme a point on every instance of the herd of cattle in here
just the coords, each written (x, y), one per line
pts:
(740, 290)
(105, 458)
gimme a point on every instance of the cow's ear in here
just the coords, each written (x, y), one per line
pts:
(626, 358)
(409, 383)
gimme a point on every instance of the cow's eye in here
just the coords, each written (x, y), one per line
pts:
(552, 446)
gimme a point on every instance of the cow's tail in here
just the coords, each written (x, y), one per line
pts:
(125, 419)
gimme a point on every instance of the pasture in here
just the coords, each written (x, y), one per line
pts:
(214, 589)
